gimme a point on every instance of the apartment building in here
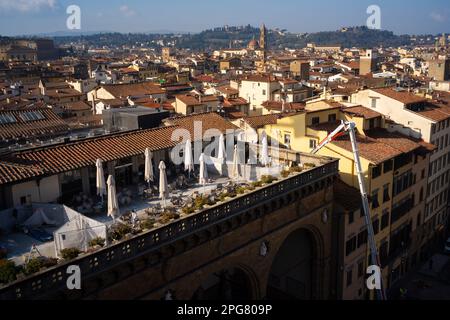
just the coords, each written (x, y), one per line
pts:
(396, 171)
(188, 104)
(424, 119)
(439, 69)
(257, 89)
(350, 246)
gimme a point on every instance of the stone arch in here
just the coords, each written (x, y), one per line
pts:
(234, 282)
(295, 270)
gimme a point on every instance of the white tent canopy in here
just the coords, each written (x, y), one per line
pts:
(77, 232)
(40, 217)
(74, 230)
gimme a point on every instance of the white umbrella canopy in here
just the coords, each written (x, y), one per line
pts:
(188, 158)
(265, 150)
(101, 184)
(163, 186)
(203, 170)
(235, 170)
(149, 177)
(113, 204)
(221, 153)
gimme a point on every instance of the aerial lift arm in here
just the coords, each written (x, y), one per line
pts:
(349, 127)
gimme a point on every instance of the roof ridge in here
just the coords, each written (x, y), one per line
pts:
(97, 138)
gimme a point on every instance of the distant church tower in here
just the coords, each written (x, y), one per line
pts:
(263, 48)
(263, 38)
(443, 41)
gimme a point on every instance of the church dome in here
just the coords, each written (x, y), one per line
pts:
(253, 44)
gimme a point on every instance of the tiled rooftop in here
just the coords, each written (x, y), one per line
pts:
(49, 125)
(360, 111)
(380, 145)
(402, 96)
(261, 121)
(134, 89)
(76, 155)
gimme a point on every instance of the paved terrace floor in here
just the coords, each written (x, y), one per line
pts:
(20, 244)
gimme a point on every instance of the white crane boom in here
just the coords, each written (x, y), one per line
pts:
(350, 128)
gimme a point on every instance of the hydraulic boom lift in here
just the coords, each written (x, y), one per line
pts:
(350, 128)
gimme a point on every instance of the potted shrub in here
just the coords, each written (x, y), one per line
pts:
(187, 210)
(70, 253)
(36, 264)
(97, 242)
(223, 196)
(251, 188)
(268, 179)
(147, 224)
(257, 184)
(295, 169)
(199, 203)
(241, 190)
(8, 271)
(119, 231)
(285, 174)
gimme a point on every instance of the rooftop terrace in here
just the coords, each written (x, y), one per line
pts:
(188, 209)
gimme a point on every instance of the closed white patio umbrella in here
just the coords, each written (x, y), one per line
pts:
(235, 169)
(163, 186)
(101, 184)
(221, 153)
(113, 204)
(188, 158)
(265, 150)
(148, 175)
(203, 170)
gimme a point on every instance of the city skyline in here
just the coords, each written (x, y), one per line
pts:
(47, 16)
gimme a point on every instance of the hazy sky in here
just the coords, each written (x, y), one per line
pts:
(401, 16)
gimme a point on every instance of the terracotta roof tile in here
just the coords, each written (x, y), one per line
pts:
(133, 89)
(50, 125)
(76, 155)
(261, 121)
(380, 145)
(278, 106)
(402, 96)
(360, 111)
(208, 121)
(71, 156)
(370, 149)
(235, 102)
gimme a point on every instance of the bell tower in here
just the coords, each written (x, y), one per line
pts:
(263, 38)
